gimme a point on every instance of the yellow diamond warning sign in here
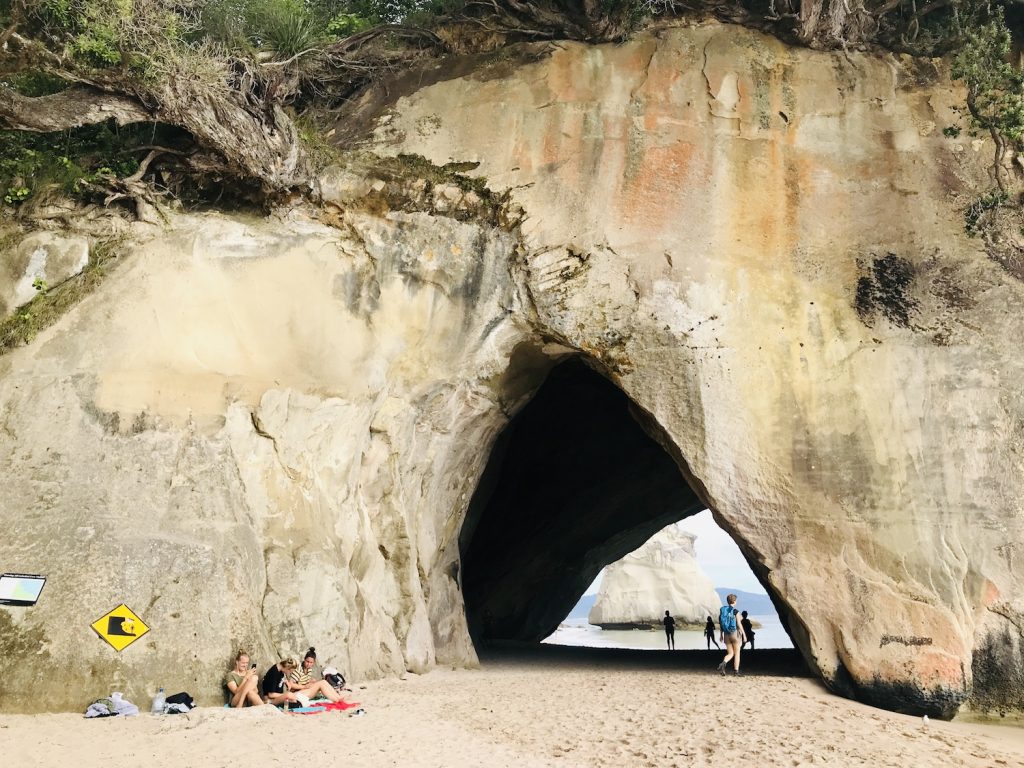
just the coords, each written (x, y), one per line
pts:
(120, 627)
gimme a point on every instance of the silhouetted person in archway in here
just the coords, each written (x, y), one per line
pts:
(709, 633)
(748, 631)
(732, 634)
(670, 631)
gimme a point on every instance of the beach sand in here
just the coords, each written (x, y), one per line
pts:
(546, 706)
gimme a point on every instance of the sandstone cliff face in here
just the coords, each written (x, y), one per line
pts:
(662, 575)
(268, 432)
(253, 435)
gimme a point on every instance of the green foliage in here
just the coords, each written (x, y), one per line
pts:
(951, 131)
(94, 32)
(34, 83)
(282, 27)
(31, 162)
(995, 87)
(97, 50)
(383, 11)
(313, 135)
(344, 24)
(224, 22)
(16, 195)
(286, 27)
(373, 12)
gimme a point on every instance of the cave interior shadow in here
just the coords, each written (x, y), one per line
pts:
(574, 482)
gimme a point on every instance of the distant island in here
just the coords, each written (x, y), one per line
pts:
(753, 603)
(662, 574)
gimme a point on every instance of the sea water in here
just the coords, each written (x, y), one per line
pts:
(578, 632)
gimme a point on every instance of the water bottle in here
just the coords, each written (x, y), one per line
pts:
(159, 702)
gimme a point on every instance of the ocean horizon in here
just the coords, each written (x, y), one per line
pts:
(575, 631)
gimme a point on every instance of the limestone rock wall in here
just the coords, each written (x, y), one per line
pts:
(662, 575)
(258, 434)
(764, 246)
(266, 432)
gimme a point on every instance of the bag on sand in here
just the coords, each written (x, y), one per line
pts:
(334, 678)
(181, 698)
(727, 619)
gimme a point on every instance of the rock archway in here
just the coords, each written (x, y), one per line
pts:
(573, 483)
(269, 432)
(706, 223)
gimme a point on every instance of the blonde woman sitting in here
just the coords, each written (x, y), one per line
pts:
(276, 688)
(242, 682)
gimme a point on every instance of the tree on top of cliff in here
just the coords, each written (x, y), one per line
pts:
(223, 94)
(217, 80)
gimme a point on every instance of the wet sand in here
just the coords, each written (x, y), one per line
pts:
(546, 706)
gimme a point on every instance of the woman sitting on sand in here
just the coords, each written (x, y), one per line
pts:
(275, 683)
(242, 682)
(301, 679)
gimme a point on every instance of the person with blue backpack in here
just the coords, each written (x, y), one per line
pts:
(732, 634)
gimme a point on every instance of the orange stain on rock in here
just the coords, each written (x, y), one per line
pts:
(991, 594)
(651, 189)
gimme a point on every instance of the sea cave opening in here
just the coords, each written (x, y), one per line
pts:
(578, 479)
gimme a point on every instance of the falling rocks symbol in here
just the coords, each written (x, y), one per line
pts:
(120, 627)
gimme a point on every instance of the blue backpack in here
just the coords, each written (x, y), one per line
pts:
(727, 619)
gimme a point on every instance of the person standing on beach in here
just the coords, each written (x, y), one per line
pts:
(748, 631)
(670, 631)
(709, 633)
(732, 634)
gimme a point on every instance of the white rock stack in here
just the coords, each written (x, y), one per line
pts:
(662, 575)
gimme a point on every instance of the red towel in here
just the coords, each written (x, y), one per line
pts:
(339, 706)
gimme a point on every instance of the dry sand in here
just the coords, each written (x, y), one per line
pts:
(544, 707)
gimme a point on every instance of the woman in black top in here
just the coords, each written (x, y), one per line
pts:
(748, 630)
(275, 683)
(709, 633)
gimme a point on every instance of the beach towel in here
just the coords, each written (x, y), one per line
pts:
(337, 706)
(317, 709)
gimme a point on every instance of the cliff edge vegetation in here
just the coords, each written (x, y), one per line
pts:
(126, 102)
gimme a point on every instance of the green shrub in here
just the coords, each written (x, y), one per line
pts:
(995, 87)
(31, 162)
(345, 24)
(286, 27)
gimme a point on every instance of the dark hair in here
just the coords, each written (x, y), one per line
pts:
(310, 654)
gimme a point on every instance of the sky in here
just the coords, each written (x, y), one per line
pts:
(717, 554)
